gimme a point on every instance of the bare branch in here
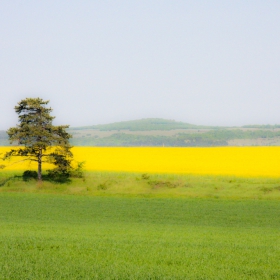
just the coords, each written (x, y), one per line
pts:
(15, 163)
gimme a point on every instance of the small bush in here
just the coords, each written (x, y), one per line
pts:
(78, 172)
(58, 176)
(102, 187)
(266, 189)
(145, 176)
(163, 184)
(29, 174)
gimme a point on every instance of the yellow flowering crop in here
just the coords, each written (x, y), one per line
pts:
(18, 163)
(238, 161)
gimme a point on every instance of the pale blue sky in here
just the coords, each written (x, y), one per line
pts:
(202, 62)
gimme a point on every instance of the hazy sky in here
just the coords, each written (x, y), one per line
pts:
(202, 62)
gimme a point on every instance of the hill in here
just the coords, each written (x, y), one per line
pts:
(144, 125)
(161, 132)
(204, 138)
(170, 133)
(3, 138)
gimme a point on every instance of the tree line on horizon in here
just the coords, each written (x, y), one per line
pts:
(205, 135)
(214, 137)
(201, 139)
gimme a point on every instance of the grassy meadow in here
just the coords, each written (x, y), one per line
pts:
(149, 185)
(81, 237)
(145, 213)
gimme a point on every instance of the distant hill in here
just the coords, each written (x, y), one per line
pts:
(161, 132)
(266, 126)
(169, 133)
(198, 138)
(3, 138)
(145, 125)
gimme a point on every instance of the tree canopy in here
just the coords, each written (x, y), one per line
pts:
(39, 140)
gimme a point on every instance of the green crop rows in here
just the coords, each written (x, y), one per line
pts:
(47, 236)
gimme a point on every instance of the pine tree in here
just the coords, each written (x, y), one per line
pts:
(39, 139)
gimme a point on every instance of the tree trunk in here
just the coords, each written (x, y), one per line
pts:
(40, 166)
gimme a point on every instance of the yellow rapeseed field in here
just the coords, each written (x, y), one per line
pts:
(238, 161)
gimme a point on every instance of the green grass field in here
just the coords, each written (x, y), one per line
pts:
(150, 185)
(78, 237)
(78, 230)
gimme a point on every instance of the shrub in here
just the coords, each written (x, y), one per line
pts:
(102, 186)
(78, 172)
(29, 174)
(145, 176)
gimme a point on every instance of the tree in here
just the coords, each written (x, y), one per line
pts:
(41, 141)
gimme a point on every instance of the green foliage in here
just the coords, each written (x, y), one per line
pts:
(79, 237)
(145, 176)
(55, 175)
(78, 172)
(130, 140)
(202, 136)
(9, 178)
(267, 126)
(163, 184)
(149, 185)
(213, 137)
(38, 136)
(62, 163)
(29, 174)
(144, 125)
(64, 171)
(102, 186)
(228, 134)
